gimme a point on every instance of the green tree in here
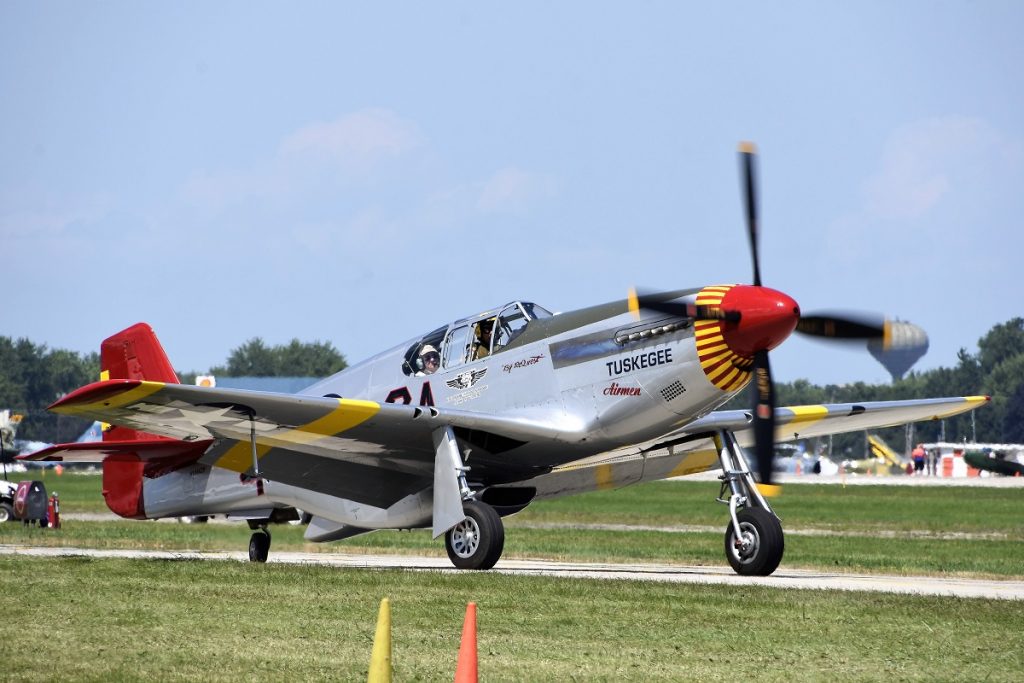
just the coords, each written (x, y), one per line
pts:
(315, 359)
(295, 359)
(32, 377)
(251, 359)
(1002, 343)
(1013, 418)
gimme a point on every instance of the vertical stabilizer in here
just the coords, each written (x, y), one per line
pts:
(134, 353)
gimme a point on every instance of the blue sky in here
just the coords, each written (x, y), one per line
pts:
(360, 175)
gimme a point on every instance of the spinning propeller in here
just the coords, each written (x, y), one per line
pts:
(756, 319)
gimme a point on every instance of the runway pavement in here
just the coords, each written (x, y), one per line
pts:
(993, 481)
(783, 578)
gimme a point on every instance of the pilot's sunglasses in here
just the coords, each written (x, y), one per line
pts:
(432, 358)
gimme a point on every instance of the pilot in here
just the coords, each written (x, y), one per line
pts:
(483, 339)
(428, 360)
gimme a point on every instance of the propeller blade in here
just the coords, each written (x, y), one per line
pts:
(680, 309)
(633, 302)
(764, 422)
(747, 157)
(844, 325)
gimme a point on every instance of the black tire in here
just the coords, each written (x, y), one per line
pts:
(259, 546)
(477, 541)
(765, 543)
(6, 512)
(44, 523)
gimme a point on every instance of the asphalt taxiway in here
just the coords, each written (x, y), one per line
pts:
(782, 578)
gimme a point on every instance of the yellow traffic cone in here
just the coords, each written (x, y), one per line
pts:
(380, 659)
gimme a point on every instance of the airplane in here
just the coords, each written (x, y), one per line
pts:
(882, 460)
(996, 461)
(8, 430)
(471, 422)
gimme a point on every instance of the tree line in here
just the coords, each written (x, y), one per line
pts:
(33, 376)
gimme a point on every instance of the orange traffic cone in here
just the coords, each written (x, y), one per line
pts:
(465, 670)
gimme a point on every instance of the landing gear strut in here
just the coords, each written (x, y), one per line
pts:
(477, 541)
(754, 542)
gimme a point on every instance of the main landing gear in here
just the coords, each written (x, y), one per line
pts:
(754, 542)
(477, 541)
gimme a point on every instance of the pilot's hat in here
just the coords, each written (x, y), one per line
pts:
(427, 349)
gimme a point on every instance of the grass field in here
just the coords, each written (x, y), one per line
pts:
(189, 620)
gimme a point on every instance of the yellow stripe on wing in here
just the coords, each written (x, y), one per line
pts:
(349, 413)
(112, 400)
(604, 477)
(805, 414)
(696, 461)
(802, 415)
(968, 403)
(238, 458)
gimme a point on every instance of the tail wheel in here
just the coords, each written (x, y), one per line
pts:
(259, 546)
(477, 541)
(759, 549)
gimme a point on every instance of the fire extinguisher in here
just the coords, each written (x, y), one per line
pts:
(53, 512)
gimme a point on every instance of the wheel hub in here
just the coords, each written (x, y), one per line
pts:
(465, 538)
(746, 545)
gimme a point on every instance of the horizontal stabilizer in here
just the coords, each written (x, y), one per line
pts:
(98, 451)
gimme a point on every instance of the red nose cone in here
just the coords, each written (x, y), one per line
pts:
(767, 317)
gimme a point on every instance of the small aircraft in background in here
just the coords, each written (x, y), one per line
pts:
(998, 460)
(9, 423)
(11, 447)
(459, 427)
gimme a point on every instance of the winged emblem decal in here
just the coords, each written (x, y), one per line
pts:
(467, 379)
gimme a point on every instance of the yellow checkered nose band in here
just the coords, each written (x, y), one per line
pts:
(724, 368)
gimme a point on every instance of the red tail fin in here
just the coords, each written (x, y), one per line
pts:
(134, 353)
(130, 457)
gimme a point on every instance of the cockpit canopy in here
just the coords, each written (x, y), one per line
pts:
(470, 339)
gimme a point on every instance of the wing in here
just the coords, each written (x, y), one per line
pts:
(361, 450)
(800, 422)
(691, 449)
